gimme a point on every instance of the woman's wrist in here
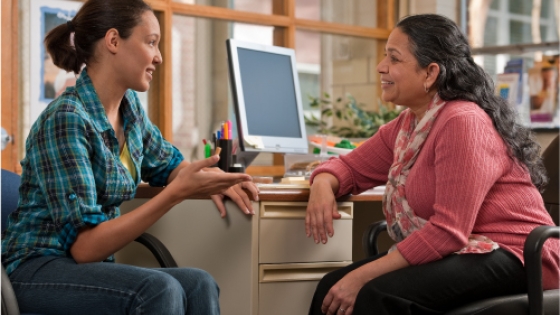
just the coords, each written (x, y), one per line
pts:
(361, 276)
(326, 180)
(172, 194)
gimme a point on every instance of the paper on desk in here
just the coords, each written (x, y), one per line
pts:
(283, 186)
(254, 141)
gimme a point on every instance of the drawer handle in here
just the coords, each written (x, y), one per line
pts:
(283, 273)
(296, 210)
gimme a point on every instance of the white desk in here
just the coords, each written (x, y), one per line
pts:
(264, 264)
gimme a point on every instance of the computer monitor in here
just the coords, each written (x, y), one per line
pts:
(267, 98)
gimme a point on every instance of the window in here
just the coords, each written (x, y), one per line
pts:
(511, 22)
(354, 12)
(328, 36)
(520, 36)
(189, 94)
(201, 96)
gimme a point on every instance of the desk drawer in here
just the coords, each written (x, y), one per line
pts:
(289, 288)
(282, 235)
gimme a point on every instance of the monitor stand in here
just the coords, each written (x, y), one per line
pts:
(245, 158)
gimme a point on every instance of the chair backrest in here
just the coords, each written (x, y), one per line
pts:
(551, 195)
(10, 194)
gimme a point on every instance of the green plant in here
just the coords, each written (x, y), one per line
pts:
(358, 123)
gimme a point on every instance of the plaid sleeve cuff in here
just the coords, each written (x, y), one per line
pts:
(160, 179)
(69, 231)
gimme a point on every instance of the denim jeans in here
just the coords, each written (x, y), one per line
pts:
(432, 288)
(58, 285)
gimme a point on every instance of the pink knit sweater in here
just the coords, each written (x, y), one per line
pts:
(463, 182)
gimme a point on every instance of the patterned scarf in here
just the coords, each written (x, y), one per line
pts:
(401, 219)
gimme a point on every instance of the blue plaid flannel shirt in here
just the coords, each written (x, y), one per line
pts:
(72, 175)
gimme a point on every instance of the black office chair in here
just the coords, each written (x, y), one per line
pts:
(535, 302)
(10, 195)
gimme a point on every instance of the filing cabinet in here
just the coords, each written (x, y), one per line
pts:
(290, 264)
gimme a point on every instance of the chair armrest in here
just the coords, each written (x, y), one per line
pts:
(369, 238)
(157, 248)
(533, 263)
(9, 301)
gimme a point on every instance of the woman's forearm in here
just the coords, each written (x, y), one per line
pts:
(97, 243)
(390, 262)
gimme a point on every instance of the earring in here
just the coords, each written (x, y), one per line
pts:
(426, 88)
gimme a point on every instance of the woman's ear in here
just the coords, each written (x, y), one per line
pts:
(111, 40)
(432, 73)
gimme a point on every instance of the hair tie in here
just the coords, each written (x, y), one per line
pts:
(70, 26)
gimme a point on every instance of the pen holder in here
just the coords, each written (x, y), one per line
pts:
(225, 155)
(234, 166)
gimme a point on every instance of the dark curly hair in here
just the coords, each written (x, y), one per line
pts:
(90, 24)
(435, 38)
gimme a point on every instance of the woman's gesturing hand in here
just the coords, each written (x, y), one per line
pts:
(194, 179)
(321, 208)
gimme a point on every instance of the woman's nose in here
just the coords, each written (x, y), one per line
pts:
(157, 58)
(382, 67)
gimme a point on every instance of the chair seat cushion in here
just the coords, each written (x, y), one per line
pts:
(510, 305)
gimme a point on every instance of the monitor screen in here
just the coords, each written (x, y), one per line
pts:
(267, 99)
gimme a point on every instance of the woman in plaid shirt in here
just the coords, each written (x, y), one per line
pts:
(85, 155)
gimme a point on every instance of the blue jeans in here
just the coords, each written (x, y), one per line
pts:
(57, 285)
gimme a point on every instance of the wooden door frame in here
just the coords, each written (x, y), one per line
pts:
(9, 82)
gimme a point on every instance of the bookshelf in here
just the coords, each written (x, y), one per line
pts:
(537, 67)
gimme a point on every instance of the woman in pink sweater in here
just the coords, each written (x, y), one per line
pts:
(462, 186)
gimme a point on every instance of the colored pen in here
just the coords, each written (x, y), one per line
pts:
(226, 131)
(229, 129)
(207, 150)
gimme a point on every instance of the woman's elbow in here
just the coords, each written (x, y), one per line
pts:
(81, 256)
(83, 251)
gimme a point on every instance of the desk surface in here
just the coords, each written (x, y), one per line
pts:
(291, 194)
